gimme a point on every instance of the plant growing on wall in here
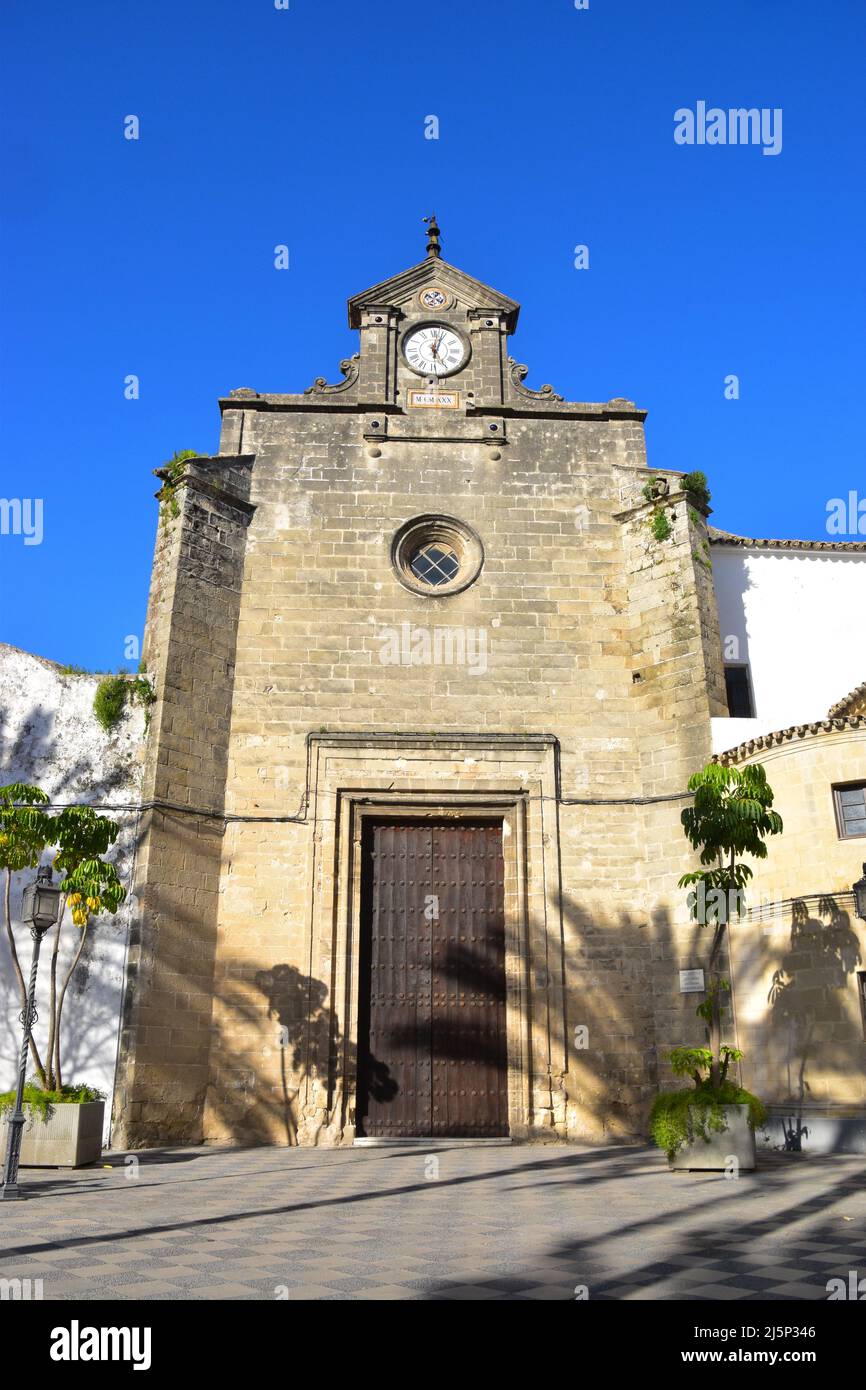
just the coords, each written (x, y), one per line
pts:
(702, 556)
(114, 693)
(695, 487)
(171, 475)
(658, 521)
(109, 701)
(731, 816)
(90, 884)
(660, 525)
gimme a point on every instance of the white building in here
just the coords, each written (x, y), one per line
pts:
(792, 616)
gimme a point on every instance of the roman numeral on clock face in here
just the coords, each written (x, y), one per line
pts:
(434, 349)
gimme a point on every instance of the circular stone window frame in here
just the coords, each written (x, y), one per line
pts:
(436, 322)
(448, 299)
(427, 530)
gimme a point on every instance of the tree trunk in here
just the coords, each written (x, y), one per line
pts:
(52, 1014)
(56, 1061)
(22, 988)
(716, 1033)
(716, 1011)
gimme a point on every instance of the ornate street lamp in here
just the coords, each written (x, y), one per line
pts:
(40, 909)
(860, 895)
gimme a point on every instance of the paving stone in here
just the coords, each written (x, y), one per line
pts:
(720, 1292)
(815, 1291)
(379, 1235)
(149, 1288)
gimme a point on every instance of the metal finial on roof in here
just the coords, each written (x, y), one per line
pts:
(433, 247)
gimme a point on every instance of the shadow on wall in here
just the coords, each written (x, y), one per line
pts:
(736, 580)
(613, 1031)
(622, 987)
(298, 1004)
(809, 1018)
(35, 754)
(243, 1103)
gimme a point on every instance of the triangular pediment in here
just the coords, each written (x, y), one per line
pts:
(401, 289)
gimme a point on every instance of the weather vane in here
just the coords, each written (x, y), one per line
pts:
(433, 247)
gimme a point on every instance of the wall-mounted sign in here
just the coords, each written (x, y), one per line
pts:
(691, 981)
(439, 400)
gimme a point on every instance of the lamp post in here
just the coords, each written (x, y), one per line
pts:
(859, 890)
(40, 909)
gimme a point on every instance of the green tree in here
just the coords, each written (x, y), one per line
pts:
(731, 816)
(90, 885)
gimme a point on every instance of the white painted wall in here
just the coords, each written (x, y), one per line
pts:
(50, 737)
(799, 617)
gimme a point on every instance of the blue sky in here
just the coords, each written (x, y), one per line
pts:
(306, 127)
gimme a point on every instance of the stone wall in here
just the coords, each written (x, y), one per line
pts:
(299, 686)
(594, 634)
(190, 647)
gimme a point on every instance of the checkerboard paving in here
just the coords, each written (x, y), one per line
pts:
(524, 1222)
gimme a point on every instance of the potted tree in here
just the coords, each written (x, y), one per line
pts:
(708, 1126)
(731, 816)
(65, 1121)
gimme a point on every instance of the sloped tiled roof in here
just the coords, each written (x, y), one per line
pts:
(718, 537)
(853, 703)
(797, 731)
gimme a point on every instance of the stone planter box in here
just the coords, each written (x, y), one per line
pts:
(69, 1138)
(736, 1141)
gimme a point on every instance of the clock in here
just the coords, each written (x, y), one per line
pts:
(434, 350)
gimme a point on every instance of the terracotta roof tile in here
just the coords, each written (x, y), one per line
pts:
(718, 537)
(797, 731)
(846, 705)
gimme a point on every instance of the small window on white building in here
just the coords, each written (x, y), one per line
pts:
(739, 688)
(850, 810)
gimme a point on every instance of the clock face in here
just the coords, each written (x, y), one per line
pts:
(434, 350)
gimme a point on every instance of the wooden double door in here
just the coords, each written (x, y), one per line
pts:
(432, 1029)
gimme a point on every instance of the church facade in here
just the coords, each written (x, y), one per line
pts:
(435, 655)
